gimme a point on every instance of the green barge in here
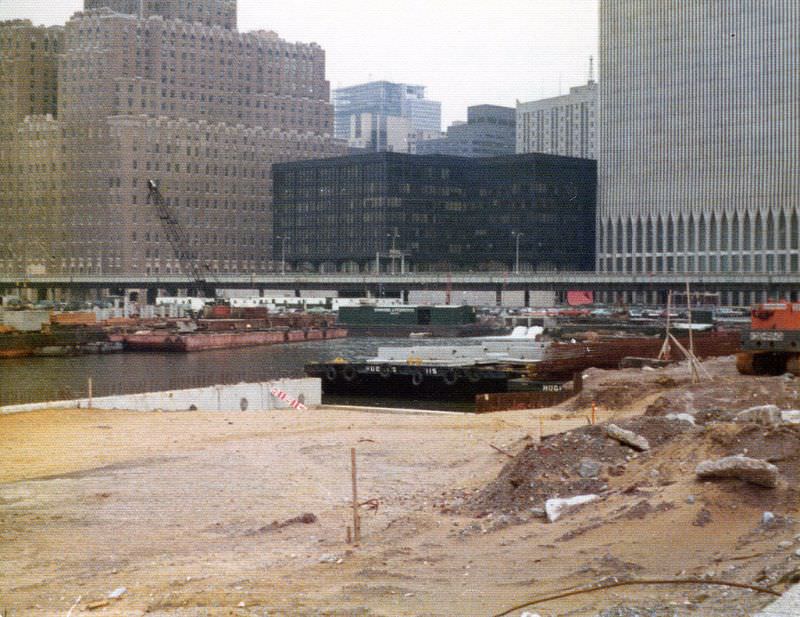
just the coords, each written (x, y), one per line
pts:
(404, 320)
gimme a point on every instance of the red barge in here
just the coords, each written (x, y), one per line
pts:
(155, 340)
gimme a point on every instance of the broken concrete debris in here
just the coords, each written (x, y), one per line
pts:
(628, 438)
(330, 558)
(790, 416)
(755, 471)
(681, 417)
(768, 415)
(554, 508)
(589, 468)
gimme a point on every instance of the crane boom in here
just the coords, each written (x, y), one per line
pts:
(178, 239)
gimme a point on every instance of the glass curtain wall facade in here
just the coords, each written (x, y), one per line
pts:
(385, 99)
(443, 213)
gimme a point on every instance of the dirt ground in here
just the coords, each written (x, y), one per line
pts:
(192, 513)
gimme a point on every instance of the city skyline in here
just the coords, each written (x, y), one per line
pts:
(463, 53)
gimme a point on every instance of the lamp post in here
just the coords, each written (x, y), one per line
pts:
(393, 250)
(517, 236)
(283, 240)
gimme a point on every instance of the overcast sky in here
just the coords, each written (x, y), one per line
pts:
(466, 52)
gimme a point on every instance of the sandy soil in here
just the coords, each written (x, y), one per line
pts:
(177, 508)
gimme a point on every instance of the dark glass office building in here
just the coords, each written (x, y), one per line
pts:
(400, 212)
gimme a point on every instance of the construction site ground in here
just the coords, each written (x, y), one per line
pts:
(217, 514)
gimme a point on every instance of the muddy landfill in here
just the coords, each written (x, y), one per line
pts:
(680, 499)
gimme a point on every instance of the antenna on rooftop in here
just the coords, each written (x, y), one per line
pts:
(591, 69)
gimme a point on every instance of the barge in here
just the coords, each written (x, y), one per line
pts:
(491, 366)
(407, 320)
(56, 341)
(397, 378)
(164, 340)
(498, 364)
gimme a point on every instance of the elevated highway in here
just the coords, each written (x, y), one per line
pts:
(769, 283)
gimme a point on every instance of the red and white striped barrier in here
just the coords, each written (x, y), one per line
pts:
(282, 396)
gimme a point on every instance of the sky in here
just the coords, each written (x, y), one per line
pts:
(466, 52)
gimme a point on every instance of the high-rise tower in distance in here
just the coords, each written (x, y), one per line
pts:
(699, 151)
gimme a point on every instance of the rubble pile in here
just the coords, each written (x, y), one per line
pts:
(728, 393)
(575, 463)
(741, 433)
(619, 389)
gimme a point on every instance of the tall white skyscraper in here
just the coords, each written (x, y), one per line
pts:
(699, 148)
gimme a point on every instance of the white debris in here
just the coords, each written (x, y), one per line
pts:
(751, 470)
(768, 415)
(117, 593)
(790, 416)
(628, 438)
(554, 508)
(681, 417)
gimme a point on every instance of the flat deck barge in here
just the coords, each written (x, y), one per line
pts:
(155, 340)
(395, 377)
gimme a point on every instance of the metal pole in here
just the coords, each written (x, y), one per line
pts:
(392, 251)
(516, 259)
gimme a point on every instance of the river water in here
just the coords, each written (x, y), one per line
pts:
(27, 380)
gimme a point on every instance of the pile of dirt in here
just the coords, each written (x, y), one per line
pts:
(619, 389)
(551, 469)
(727, 394)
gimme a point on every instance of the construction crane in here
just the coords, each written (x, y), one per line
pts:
(178, 240)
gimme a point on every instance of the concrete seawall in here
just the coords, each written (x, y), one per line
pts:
(235, 397)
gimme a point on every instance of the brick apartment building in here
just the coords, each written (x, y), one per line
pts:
(144, 93)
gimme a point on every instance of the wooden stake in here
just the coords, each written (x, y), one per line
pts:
(348, 536)
(356, 518)
(501, 451)
(541, 429)
(693, 359)
(665, 349)
(90, 392)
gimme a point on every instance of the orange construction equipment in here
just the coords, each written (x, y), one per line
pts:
(772, 344)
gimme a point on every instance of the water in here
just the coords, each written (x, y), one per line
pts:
(28, 380)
